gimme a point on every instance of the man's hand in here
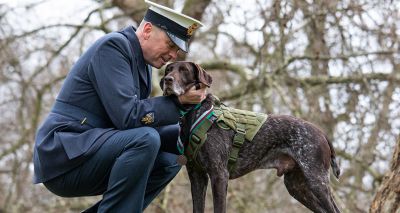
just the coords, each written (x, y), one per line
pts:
(193, 96)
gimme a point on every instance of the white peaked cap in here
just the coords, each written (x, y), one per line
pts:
(179, 27)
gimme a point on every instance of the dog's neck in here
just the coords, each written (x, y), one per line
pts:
(191, 114)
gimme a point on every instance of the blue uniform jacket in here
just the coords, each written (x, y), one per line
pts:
(106, 91)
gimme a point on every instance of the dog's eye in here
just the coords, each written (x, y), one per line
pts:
(167, 70)
(183, 69)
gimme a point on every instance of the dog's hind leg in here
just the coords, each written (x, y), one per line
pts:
(198, 182)
(219, 183)
(319, 185)
(297, 187)
(314, 194)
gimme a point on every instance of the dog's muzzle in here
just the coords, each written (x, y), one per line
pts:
(171, 87)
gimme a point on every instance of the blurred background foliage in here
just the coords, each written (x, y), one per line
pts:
(335, 63)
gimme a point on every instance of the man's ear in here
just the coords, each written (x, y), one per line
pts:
(202, 75)
(147, 30)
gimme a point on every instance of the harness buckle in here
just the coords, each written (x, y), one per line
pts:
(241, 131)
(238, 141)
(232, 159)
(196, 138)
(239, 137)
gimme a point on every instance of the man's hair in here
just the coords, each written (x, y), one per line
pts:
(143, 22)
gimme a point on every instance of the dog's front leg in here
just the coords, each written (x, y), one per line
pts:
(219, 183)
(198, 182)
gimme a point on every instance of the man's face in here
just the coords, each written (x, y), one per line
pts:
(159, 49)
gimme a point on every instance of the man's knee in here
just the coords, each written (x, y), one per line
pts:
(172, 170)
(147, 139)
(166, 163)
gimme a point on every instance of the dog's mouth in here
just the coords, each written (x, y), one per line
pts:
(168, 91)
(172, 89)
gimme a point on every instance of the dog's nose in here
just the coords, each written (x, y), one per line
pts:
(169, 79)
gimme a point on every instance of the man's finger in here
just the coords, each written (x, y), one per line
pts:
(193, 88)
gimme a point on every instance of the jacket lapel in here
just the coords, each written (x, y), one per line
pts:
(143, 69)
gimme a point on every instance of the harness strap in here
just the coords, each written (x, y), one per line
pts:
(180, 145)
(238, 141)
(198, 137)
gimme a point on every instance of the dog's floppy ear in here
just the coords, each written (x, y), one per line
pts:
(162, 83)
(202, 76)
(162, 79)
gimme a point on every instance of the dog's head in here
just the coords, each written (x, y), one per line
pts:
(181, 76)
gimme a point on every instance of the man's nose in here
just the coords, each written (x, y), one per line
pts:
(174, 53)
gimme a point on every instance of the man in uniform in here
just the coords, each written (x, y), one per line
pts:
(104, 135)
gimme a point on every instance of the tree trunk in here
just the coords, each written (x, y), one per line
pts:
(387, 199)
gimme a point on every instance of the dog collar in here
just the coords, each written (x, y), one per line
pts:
(183, 112)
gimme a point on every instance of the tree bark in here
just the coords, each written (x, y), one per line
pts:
(387, 199)
(132, 8)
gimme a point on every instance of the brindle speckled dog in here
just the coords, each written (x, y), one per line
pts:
(296, 148)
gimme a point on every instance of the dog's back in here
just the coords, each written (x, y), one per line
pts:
(280, 134)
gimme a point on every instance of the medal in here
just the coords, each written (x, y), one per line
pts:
(182, 160)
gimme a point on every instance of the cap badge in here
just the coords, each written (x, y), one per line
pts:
(148, 118)
(192, 28)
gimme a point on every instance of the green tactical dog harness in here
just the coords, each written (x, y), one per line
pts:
(245, 124)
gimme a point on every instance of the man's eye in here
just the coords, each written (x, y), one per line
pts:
(171, 45)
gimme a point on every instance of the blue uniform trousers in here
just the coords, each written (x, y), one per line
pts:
(129, 170)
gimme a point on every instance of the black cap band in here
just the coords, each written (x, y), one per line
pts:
(167, 24)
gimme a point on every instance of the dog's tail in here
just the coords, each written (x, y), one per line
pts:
(334, 165)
